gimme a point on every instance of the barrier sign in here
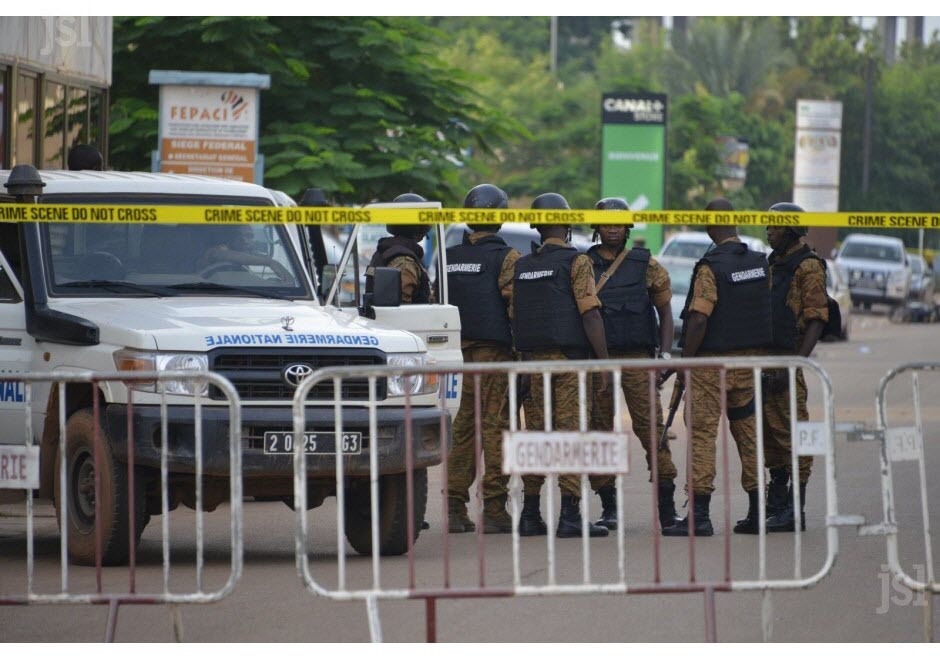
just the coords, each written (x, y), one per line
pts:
(19, 467)
(904, 444)
(812, 439)
(213, 215)
(560, 452)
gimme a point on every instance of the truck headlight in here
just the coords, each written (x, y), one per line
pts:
(897, 277)
(414, 383)
(130, 360)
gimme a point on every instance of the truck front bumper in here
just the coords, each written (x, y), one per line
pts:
(256, 420)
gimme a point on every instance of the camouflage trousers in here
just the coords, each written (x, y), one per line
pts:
(706, 415)
(494, 412)
(777, 445)
(565, 417)
(635, 386)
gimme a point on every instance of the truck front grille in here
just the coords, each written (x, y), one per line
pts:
(259, 373)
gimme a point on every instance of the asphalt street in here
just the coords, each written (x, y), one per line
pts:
(854, 602)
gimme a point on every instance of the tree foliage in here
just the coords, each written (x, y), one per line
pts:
(362, 107)
(371, 107)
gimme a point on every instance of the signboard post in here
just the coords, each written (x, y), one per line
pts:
(209, 124)
(633, 155)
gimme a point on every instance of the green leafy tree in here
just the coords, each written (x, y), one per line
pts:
(724, 55)
(362, 107)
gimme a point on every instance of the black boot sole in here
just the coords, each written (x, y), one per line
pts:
(591, 534)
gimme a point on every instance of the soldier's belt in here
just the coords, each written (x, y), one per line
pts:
(212, 215)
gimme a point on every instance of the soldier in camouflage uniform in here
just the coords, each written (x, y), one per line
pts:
(800, 313)
(556, 317)
(632, 297)
(726, 313)
(479, 276)
(403, 252)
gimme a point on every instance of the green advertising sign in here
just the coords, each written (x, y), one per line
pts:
(633, 149)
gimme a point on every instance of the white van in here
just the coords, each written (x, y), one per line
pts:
(238, 300)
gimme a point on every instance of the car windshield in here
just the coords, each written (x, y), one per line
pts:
(873, 251)
(133, 259)
(686, 249)
(917, 266)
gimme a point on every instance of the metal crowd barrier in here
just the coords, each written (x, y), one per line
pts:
(812, 438)
(906, 444)
(58, 385)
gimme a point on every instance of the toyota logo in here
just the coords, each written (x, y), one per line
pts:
(294, 374)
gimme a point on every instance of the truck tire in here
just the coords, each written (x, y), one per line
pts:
(393, 516)
(80, 500)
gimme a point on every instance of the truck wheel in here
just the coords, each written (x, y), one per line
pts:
(393, 516)
(80, 496)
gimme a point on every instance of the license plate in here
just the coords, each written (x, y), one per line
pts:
(319, 442)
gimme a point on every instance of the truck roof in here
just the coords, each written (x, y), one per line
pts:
(91, 181)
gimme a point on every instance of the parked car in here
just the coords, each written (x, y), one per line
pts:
(694, 244)
(680, 276)
(922, 284)
(877, 268)
(838, 289)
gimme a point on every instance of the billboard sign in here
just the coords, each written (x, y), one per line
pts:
(209, 129)
(633, 155)
(817, 155)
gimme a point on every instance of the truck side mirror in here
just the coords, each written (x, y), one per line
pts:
(386, 287)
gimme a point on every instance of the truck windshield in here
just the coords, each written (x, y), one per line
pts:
(131, 259)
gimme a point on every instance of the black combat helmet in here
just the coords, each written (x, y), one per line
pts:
(550, 201)
(790, 207)
(486, 196)
(416, 232)
(612, 204)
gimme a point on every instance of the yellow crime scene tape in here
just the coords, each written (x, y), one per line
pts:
(212, 215)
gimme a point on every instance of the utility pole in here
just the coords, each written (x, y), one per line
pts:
(553, 45)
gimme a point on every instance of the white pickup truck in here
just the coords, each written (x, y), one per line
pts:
(79, 297)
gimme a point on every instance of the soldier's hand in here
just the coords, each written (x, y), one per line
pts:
(663, 376)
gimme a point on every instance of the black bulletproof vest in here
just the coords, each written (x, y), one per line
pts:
(742, 317)
(473, 284)
(784, 321)
(545, 313)
(629, 317)
(388, 249)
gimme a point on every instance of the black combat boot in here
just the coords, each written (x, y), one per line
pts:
(750, 524)
(530, 520)
(703, 522)
(777, 489)
(783, 520)
(667, 505)
(569, 519)
(608, 519)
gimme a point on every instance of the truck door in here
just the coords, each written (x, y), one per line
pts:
(437, 323)
(16, 348)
